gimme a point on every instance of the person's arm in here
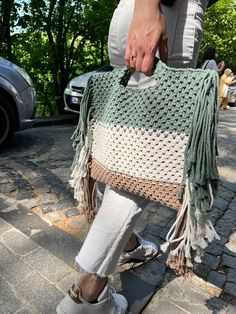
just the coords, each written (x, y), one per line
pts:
(147, 33)
(230, 81)
(227, 80)
(220, 67)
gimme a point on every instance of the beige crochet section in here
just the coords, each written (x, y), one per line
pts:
(163, 192)
(145, 154)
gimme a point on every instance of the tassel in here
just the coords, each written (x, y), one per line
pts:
(187, 239)
(89, 203)
(165, 246)
(192, 229)
(84, 186)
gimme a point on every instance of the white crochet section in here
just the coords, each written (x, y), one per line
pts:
(150, 155)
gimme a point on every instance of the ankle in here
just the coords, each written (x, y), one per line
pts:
(132, 244)
(91, 287)
(133, 248)
(89, 296)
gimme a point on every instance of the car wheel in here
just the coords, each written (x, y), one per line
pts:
(7, 120)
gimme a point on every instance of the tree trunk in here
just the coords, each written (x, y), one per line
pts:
(7, 7)
(53, 53)
(60, 46)
(102, 51)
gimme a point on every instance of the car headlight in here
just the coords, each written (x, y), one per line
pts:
(78, 89)
(24, 74)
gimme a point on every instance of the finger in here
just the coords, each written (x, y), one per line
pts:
(139, 61)
(128, 52)
(147, 64)
(132, 62)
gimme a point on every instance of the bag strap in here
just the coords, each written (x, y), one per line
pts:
(125, 78)
(159, 67)
(206, 65)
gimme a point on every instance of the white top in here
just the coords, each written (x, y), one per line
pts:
(211, 65)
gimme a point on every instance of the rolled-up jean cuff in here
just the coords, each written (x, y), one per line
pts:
(81, 270)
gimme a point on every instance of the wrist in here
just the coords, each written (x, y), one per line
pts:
(149, 3)
(147, 10)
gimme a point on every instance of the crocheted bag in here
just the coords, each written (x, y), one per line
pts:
(158, 142)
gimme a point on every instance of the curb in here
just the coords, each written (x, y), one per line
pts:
(67, 118)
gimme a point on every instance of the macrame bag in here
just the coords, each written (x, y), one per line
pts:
(158, 142)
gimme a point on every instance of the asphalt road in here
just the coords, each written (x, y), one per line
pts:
(48, 146)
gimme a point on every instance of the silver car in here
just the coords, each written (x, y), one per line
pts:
(17, 100)
(75, 89)
(232, 95)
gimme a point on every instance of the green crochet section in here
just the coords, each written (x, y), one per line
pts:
(168, 105)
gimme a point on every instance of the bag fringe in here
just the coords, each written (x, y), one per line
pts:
(84, 186)
(186, 239)
(192, 230)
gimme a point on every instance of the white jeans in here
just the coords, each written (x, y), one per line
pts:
(120, 210)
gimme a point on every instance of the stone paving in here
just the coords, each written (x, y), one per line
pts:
(41, 231)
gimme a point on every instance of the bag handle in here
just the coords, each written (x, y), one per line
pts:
(127, 74)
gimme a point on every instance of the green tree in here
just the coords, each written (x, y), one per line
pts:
(7, 10)
(57, 25)
(220, 31)
(70, 36)
(99, 13)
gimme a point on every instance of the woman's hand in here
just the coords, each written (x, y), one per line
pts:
(147, 33)
(221, 65)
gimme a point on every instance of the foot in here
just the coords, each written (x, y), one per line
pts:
(107, 302)
(144, 252)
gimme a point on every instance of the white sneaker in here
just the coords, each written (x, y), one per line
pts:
(144, 252)
(108, 302)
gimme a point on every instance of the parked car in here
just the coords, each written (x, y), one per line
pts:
(232, 95)
(75, 89)
(17, 100)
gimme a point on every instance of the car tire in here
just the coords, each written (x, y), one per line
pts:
(7, 120)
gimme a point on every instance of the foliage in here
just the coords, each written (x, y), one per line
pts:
(56, 40)
(220, 31)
